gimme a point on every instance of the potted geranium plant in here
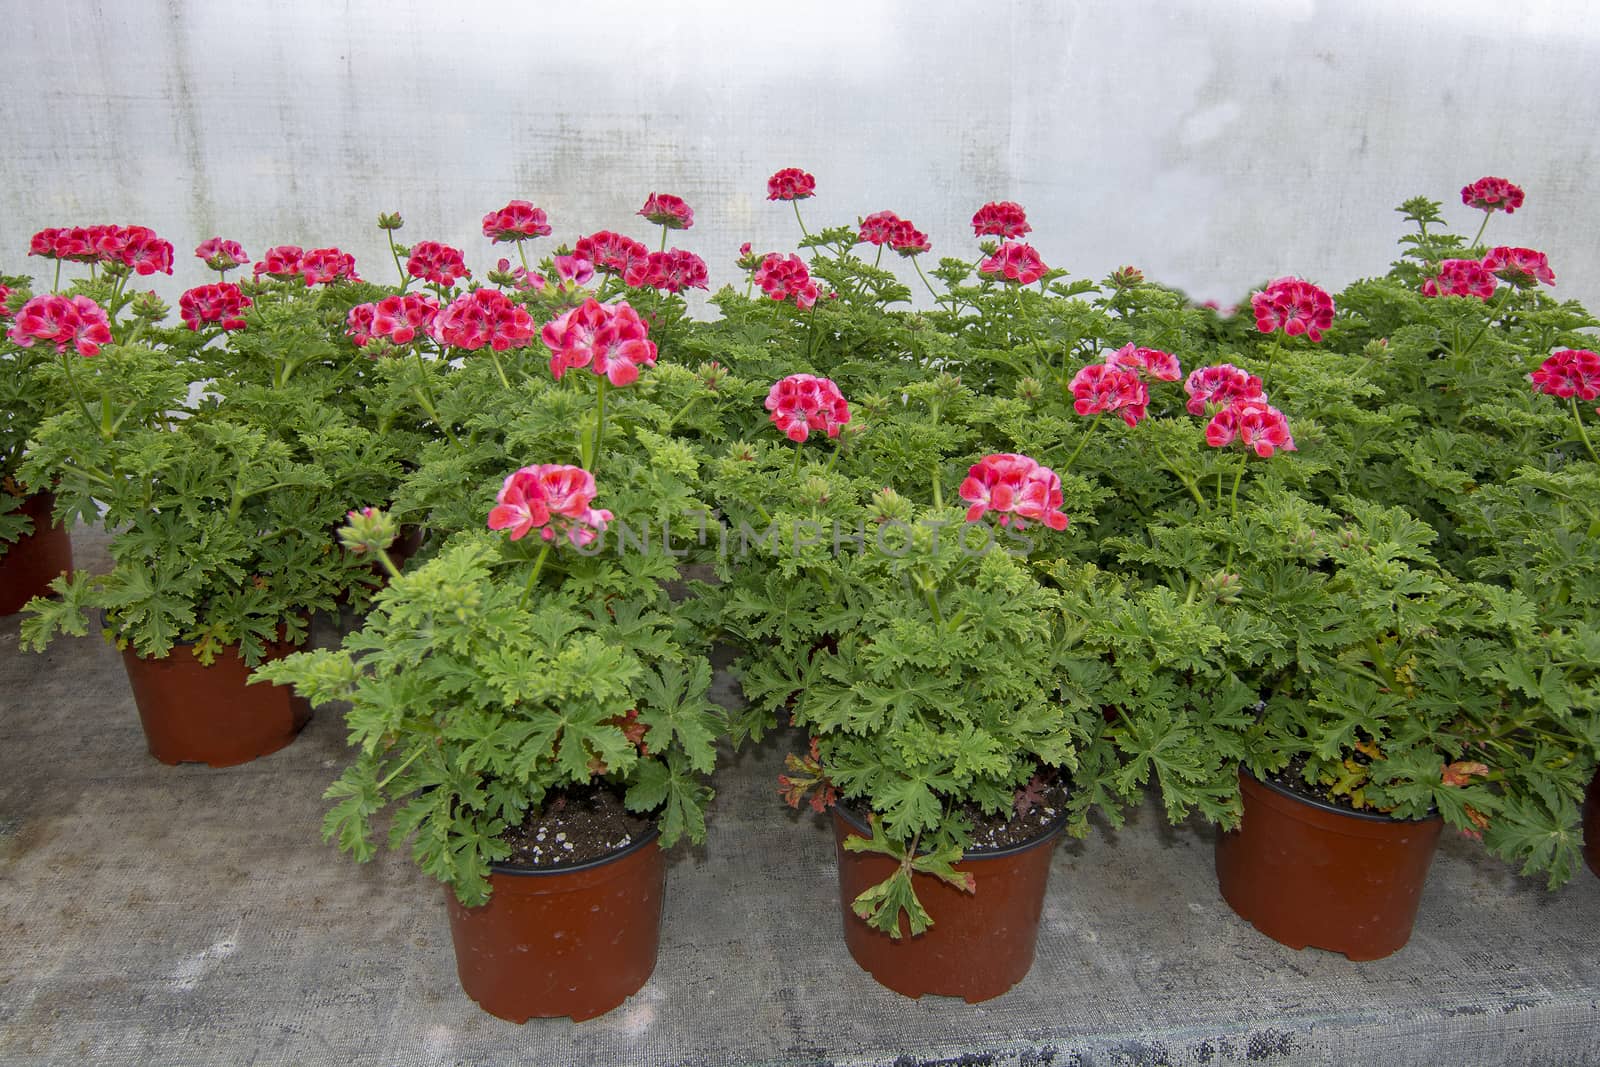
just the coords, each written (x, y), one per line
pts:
(537, 718)
(221, 515)
(34, 549)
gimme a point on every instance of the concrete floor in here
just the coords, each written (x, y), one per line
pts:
(183, 915)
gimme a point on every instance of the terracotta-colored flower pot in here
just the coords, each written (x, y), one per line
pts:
(1591, 826)
(1309, 873)
(575, 941)
(197, 714)
(980, 944)
(28, 565)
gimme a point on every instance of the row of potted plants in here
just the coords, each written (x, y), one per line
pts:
(1005, 561)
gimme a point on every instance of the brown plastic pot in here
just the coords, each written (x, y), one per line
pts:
(980, 944)
(1591, 826)
(197, 714)
(574, 941)
(28, 565)
(1305, 872)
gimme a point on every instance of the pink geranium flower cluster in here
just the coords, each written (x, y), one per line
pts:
(781, 278)
(886, 228)
(1102, 387)
(671, 271)
(135, 247)
(397, 319)
(482, 318)
(1162, 366)
(610, 339)
(222, 303)
(791, 183)
(1460, 277)
(1219, 386)
(437, 263)
(62, 321)
(1492, 194)
(801, 403)
(1294, 306)
(1569, 372)
(220, 255)
(517, 221)
(553, 498)
(1002, 219)
(1017, 487)
(1522, 267)
(316, 267)
(1254, 422)
(5, 298)
(611, 252)
(667, 210)
(1015, 262)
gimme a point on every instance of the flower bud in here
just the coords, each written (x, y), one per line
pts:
(390, 221)
(1030, 389)
(368, 529)
(1126, 277)
(814, 490)
(149, 306)
(711, 374)
(1222, 587)
(890, 506)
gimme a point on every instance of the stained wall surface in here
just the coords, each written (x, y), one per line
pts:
(1214, 143)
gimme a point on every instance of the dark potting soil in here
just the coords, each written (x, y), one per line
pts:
(995, 833)
(1292, 779)
(574, 826)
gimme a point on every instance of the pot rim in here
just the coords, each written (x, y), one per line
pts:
(1049, 834)
(599, 861)
(1331, 808)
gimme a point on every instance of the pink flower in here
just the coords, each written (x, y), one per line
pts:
(137, 247)
(672, 271)
(222, 303)
(610, 339)
(358, 324)
(76, 321)
(322, 265)
(1255, 422)
(879, 228)
(1492, 194)
(574, 269)
(75, 244)
(282, 262)
(517, 221)
(667, 210)
(781, 278)
(1569, 372)
(221, 255)
(1100, 387)
(1460, 277)
(483, 317)
(1017, 487)
(1002, 219)
(437, 263)
(1295, 306)
(1220, 385)
(1015, 262)
(5, 297)
(791, 183)
(551, 498)
(519, 277)
(1522, 267)
(908, 240)
(401, 318)
(610, 252)
(801, 403)
(1163, 366)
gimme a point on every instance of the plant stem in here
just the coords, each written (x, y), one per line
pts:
(521, 254)
(600, 422)
(1485, 226)
(408, 761)
(425, 397)
(388, 564)
(663, 247)
(1094, 424)
(794, 468)
(405, 279)
(500, 370)
(796, 205)
(1577, 417)
(72, 381)
(56, 287)
(937, 299)
(1233, 508)
(533, 578)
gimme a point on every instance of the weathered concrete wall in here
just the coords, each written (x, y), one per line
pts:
(1215, 143)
